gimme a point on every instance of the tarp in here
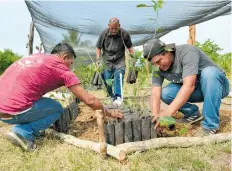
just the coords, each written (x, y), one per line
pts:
(87, 19)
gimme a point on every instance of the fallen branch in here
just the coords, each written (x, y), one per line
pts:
(111, 150)
(174, 142)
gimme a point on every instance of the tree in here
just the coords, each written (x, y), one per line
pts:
(72, 38)
(212, 50)
(7, 57)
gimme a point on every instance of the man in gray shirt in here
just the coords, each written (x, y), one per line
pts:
(194, 77)
(112, 43)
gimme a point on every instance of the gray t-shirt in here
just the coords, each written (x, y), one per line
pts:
(113, 47)
(189, 60)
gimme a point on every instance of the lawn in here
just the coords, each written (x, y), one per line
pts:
(53, 155)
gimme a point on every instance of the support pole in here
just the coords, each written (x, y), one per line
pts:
(31, 39)
(192, 34)
(102, 141)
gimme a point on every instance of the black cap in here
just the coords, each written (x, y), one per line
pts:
(155, 47)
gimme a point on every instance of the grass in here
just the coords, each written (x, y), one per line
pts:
(53, 155)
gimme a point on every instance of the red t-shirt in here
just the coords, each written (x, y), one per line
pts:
(29, 78)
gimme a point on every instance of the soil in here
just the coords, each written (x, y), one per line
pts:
(85, 126)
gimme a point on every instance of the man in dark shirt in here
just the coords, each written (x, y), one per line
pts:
(112, 43)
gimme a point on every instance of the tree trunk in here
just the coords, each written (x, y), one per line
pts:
(173, 142)
(111, 150)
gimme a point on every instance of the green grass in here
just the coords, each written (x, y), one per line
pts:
(53, 155)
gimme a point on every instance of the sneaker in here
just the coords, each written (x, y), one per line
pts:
(201, 132)
(117, 101)
(191, 119)
(19, 141)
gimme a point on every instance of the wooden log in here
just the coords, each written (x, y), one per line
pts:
(174, 142)
(113, 151)
(100, 123)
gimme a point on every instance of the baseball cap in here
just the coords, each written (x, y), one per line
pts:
(155, 47)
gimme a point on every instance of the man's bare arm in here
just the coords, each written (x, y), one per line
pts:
(155, 100)
(92, 101)
(98, 53)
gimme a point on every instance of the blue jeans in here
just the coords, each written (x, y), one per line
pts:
(114, 73)
(43, 113)
(212, 87)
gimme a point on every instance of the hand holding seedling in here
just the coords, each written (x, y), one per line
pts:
(164, 119)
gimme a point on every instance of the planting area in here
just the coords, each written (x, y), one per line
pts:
(85, 126)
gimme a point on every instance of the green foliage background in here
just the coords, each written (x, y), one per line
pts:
(213, 51)
(7, 57)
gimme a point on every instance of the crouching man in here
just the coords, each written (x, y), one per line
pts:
(194, 78)
(24, 83)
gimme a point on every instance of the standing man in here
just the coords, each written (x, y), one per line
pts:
(24, 83)
(194, 77)
(112, 43)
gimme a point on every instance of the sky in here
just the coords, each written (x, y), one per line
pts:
(16, 19)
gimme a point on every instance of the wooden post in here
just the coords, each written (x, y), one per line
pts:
(192, 34)
(30, 39)
(102, 141)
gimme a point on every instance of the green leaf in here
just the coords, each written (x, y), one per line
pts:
(151, 19)
(110, 82)
(131, 55)
(166, 121)
(183, 131)
(160, 3)
(141, 5)
(154, 1)
(63, 96)
(159, 30)
(156, 75)
(155, 7)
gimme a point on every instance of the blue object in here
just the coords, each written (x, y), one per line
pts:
(41, 116)
(114, 73)
(213, 87)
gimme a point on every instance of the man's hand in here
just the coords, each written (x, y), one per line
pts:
(155, 119)
(113, 113)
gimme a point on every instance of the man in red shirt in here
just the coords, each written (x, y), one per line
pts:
(24, 83)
